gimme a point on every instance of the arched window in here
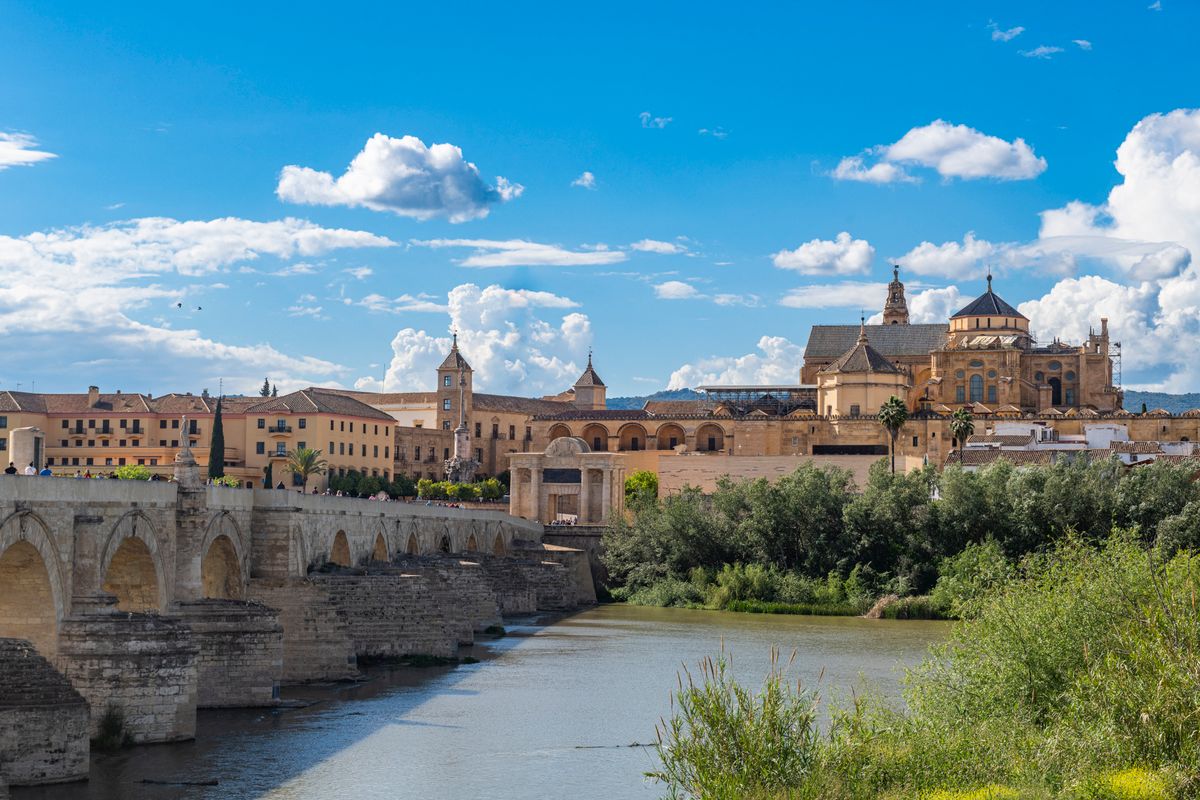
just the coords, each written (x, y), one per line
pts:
(976, 389)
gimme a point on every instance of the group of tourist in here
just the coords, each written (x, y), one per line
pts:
(46, 472)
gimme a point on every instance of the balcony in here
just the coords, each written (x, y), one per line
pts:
(279, 429)
(273, 454)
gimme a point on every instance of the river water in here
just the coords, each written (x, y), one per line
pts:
(548, 712)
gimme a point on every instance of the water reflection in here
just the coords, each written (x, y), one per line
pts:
(548, 712)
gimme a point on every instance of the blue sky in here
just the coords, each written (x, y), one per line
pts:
(175, 207)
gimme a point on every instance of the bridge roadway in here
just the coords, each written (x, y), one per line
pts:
(155, 598)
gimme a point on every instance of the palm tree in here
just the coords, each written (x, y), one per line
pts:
(962, 425)
(305, 461)
(892, 416)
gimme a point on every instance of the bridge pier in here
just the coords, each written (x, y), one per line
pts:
(142, 664)
(43, 721)
(239, 662)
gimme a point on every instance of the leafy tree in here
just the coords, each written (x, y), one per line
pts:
(369, 486)
(962, 426)
(641, 486)
(228, 480)
(505, 478)
(132, 472)
(892, 416)
(265, 391)
(305, 462)
(402, 486)
(216, 447)
(491, 489)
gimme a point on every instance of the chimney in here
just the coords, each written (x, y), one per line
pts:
(93, 396)
(1104, 326)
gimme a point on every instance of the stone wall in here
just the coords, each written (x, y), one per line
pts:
(143, 664)
(43, 720)
(240, 658)
(393, 615)
(316, 643)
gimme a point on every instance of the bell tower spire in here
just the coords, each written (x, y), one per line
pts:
(895, 310)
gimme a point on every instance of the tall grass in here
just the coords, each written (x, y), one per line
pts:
(727, 742)
(1077, 677)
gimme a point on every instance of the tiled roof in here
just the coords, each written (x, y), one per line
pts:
(988, 304)
(318, 401)
(1137, 447)
(517, 405)
(831, 341)
(861, 358)
(667, 408)
(186, 404)
(1004, 440)
(983, 457)
(589, 376)
(455, 360)
(22, 401)
(606, 413)
(389, 398)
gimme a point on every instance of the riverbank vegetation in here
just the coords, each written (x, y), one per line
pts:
(1073, 676)
(810, 540)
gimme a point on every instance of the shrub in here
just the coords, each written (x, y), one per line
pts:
(132, 472)
(110, 730)
(723, 741)
(228, 480)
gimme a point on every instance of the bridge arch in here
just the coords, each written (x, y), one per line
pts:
(472, 544)
(380, 551)
(339, 550)
(131, 567)
(32, 601)
(498, 547)
(444, 544)
(414, 546)
(298, 560)
(222, 565)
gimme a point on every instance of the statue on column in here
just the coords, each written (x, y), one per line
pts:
(461, 467)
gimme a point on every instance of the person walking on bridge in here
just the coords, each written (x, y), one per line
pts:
(31, 470)
(11, 469)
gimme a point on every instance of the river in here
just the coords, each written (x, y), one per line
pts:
(548, 712)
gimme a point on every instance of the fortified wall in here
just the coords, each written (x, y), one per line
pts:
(153, 599)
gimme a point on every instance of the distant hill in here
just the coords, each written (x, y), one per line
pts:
(1175, 403)
(624, 403)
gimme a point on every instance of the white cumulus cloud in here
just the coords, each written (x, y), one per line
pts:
(402, 176)
(844, 255)
(776, 362)
(585, 181)
(69, 293)
(1004, 35)
(848, 294)
(651, 121)
(655, 246)
(1042, 51)
(954, 151)
(20, 150)
(676, 290)
(950, 259)
(508, 337)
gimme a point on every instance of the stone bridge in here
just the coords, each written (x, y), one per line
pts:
(154, 599)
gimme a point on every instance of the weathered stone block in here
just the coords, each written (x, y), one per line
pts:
(43, 721)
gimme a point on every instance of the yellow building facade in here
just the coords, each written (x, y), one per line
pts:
(94, 432)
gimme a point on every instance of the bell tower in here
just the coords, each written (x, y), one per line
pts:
(895, 310)
(454, 390)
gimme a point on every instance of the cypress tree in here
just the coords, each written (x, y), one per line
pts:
(274, 391)
(216, 448)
